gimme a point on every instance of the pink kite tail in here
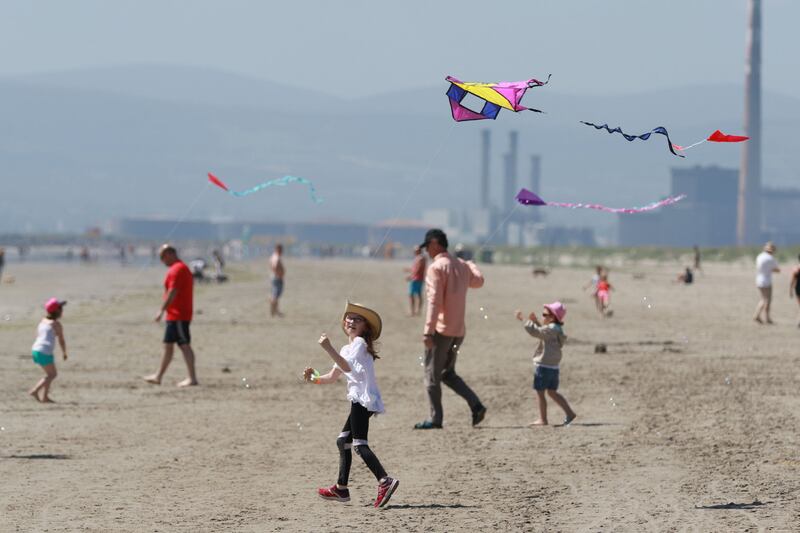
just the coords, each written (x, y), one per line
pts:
(655, 205)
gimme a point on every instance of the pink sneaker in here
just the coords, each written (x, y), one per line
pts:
(334, 493)
(385, 491)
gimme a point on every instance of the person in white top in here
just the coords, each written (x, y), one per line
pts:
(356, 362)
(48, 331)
(766, 265)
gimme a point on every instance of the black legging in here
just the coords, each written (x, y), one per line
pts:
(354, 433)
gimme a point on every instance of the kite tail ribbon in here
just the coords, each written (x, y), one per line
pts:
(644, 136)
(526, 197)
(280, 182)
(536, 83)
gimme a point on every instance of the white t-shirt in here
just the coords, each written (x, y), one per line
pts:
(45, 338)
(362, 386)
(765, 264)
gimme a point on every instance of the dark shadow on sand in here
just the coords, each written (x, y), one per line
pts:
(431, 506)
(38, 456)
(587, 424)
(580, 424)
(731, 505)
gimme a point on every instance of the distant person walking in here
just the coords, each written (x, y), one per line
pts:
(447, 281)
(415, 280)
(2, 262)
(794, 286)
(604, 288)
(766, 265)
(178, 305)
(278, 272)
(697, 266)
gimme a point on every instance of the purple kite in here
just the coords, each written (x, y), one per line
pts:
(495, 96)
(526, 197)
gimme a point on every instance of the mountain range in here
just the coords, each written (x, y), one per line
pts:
(79, 147)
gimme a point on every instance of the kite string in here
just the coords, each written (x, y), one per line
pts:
(400, 210)
(139, 271)
(488, 239)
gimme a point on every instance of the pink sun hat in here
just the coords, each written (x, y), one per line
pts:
(54, 304)
(558, 310)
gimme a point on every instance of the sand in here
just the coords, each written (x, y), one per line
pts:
(688, 423)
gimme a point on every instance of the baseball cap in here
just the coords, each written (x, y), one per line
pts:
(437, 234)
(54, 304)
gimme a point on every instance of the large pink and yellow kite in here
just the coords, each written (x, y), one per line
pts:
(493, 96)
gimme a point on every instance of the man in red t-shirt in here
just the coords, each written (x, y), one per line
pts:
(178, 285)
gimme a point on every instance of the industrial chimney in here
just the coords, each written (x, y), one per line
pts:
(510, 184)
(536, 184)
(748, 227)
(485, 157)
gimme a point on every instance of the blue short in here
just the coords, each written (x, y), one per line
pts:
(43, 359)
(415, 287)
(277, 288)
(545, 378)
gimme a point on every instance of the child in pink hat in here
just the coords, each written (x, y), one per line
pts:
(547, 358)
(48, 332)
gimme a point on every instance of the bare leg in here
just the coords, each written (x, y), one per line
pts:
(412, 305)
(51, 375)
(798, 303)
(562, 402)
(768, 304)
(166, 359)
(188, 356)
(42, 382)
(542, 421)
(419, 304)
(273, 308)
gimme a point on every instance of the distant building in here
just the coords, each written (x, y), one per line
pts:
(780, 210)
(707, 217)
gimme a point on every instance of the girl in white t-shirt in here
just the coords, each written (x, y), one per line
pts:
(48, 333)
(356, 362)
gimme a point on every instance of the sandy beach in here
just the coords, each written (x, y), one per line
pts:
(689, 422)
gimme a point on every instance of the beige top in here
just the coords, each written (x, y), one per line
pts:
(551, 340)
(447, 281)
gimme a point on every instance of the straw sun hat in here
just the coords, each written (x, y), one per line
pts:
(372, 318)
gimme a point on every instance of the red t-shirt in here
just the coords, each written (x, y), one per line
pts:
(418, 268)
(179, 277)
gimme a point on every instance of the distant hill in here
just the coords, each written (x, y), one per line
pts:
(83, 146)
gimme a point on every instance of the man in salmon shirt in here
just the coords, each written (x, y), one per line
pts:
(447, 281)
(177, 304)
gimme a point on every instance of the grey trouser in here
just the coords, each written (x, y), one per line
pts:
(440, 367)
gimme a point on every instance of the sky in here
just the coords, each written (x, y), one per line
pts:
(360, 48)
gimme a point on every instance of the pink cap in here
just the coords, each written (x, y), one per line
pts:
(558, 310)
(54, 304)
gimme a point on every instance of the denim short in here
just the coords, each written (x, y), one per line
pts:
(415, 287)
(277, 288)
(545, 378)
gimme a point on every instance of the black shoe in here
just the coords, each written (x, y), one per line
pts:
(427, 424)
(478, 415)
